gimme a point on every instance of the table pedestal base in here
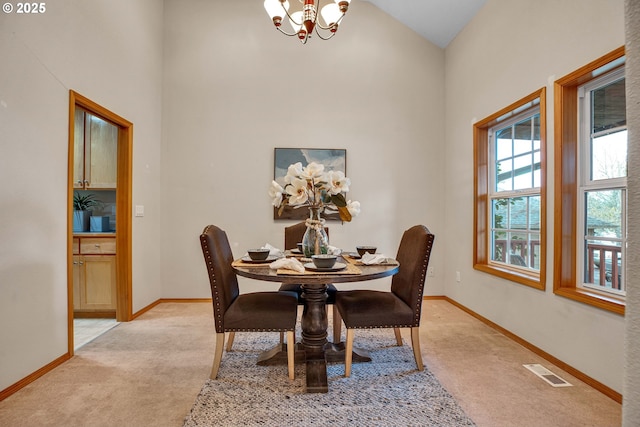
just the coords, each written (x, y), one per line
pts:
(334, 353)
(316, 365)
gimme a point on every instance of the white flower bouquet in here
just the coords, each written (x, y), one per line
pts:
(314, 187)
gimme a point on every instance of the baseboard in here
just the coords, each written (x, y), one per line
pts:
(163, 300)
(60, 360)
(106, 314)
(185, 300)
(607, 391)
(34, 376)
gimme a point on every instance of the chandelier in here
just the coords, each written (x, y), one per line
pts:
(305, 21)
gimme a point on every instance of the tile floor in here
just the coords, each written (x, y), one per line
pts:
(86, 330)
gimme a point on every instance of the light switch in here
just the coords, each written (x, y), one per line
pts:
(139, 210)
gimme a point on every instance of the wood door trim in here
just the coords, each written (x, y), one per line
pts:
(123, 209)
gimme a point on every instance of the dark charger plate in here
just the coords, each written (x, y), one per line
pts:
(270, 258)
(336, 267)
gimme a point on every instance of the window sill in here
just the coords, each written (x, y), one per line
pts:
(595, 299)
(532, 280)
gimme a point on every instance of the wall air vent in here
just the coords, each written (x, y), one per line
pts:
(548, 376)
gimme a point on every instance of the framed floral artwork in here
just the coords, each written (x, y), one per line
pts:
(331, 159)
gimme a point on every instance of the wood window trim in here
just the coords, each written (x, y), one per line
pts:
(482, 234)
(566, 187)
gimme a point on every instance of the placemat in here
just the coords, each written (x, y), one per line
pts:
(356, 261)
(350, 270)
(288, 253)
(241, 263)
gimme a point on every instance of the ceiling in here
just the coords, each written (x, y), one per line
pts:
(438, 21)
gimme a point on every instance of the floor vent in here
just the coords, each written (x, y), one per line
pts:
(547, 375)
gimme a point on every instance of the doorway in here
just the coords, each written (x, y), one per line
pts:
(120, 243)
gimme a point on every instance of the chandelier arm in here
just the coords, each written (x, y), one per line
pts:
(324, 38)
(285, 33)
(318, 24)
(289, 16)
(279, 27)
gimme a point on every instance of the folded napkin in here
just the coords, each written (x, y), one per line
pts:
(332, 250)
(370, 259)
(287, 263)
(273, 251)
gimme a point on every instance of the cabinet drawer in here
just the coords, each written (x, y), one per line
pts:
(76, 246)
(97, 245)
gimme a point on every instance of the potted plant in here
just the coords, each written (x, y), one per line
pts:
(82, 204)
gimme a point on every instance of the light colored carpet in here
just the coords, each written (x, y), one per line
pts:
(389, 391)
(149, 372)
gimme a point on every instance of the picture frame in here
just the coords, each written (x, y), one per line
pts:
(332, 159)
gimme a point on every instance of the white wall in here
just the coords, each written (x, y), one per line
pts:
(510, 49)
(235, 89)
(109, 51)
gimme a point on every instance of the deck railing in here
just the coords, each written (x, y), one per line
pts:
(524, 254)
(520, 253)
(608, 256)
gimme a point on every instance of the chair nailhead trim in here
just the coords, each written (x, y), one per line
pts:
(216, 297)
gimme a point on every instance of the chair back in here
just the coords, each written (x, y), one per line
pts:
(413, 255)
(294, 234)
(222, 279)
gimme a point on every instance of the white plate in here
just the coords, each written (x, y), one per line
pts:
(336, 267)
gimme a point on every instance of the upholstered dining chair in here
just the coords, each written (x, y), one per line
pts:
(400, 308)
(293, 235)
(250, 312)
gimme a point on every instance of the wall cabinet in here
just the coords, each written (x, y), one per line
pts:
(95, 152)
(94, 275)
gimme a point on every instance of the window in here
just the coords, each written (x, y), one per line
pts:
(603, 170)
(509, 215)
(590, 188)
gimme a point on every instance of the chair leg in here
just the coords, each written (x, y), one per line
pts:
(281, 338)
(232, 335)
(217, 356)
(291, 353)
(348, 353)
(398, 336)
(337, 324)
(415, 343)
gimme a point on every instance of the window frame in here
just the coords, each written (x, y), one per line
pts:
(482, 201)
(588, 184)
(567, 187)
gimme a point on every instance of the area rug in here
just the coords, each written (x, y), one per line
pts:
(389, 391)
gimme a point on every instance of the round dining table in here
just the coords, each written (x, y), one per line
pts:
(314, 345)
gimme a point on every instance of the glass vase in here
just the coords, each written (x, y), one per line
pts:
(315, 240)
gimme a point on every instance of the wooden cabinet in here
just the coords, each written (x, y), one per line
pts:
(94, 275)
(97, 245)
(95, 152)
